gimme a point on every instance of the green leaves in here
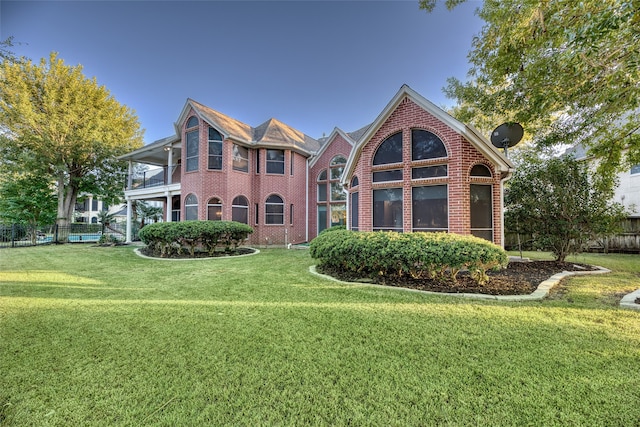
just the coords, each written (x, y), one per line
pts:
(419, 255)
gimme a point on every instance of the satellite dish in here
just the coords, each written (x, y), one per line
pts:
(507, 135)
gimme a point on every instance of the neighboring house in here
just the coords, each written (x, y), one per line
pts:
(415, 168)
(87, 210)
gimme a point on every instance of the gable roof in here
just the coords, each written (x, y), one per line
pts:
(469, 132)
(329, 140)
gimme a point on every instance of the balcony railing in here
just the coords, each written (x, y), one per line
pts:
(155, 178)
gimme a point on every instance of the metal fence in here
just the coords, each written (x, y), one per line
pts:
(18, 235)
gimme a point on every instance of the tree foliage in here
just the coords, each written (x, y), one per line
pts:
(62, 126)
(27, 199)
(558, 202)
(569, 71)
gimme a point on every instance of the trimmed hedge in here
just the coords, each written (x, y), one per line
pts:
(169, 238)
(438, 256)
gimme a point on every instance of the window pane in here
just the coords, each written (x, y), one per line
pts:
(430, 208)
(322, 218)
(426, 145)
(481, 211)
(192, 151)
(387, 209)
(215, 155)
(339, 214)
(214, 212)
(480, 170)
(338, 160)
(635, 169)
(354, 182)
(275, 161)
(336, 172)
(240, 201)
(337, 192)
(322, 192)
(274, 210)
(214, 135)
(323, 175)
(193, 121)
(240, 158)
(354, 211)
(390, 151)
(429, 172)
(391, 175)
(240, 214)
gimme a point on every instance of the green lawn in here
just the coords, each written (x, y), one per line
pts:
(99, 336)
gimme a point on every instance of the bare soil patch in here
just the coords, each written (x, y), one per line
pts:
(519, 278)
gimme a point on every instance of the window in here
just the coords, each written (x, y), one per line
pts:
(257, 161)
(429, 172)
(240, 210)
(322, 186)
(390, 151)
(291, 163)
(322, 218)
(191, 207)
(192, 122)
(274, 210)
(338, 214)
(388, 175)
(291, 214)
(192, 150)
(354, 211)
(337, 166)
(240, 158)
(337, 192)
(214, 209)
(257, 214)
(354, 182)
(275, 161)
(215, 149)
(94, 204)
(481, 171)
(426, 145)
(387, 209)
(481, 211)
(635, 169)
(430, 208)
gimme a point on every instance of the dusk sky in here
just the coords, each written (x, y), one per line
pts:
(313, 65)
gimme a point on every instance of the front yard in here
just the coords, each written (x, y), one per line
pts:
(99, 336)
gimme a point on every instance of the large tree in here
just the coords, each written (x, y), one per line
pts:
(560, 203)
(569, 71)
(61, 125)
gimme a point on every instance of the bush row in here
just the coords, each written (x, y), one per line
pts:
(438, 256)
(168, 238)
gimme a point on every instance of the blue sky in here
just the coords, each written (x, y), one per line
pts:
(313, 65)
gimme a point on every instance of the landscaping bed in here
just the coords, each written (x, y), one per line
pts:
(519, 278)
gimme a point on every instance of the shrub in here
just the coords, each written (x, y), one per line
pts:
(172, 238)
(438, 256)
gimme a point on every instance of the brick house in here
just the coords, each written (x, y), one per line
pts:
(415, 168)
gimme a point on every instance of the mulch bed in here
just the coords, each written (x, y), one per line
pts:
(239, 251)
(519, 278)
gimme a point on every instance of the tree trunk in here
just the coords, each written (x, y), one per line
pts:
(67, 196)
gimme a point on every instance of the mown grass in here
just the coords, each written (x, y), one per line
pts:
(98, 336)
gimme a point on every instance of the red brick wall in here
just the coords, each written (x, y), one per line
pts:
(462, 156)
(337, 146)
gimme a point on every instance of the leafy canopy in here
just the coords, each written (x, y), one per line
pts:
(569, 71)
(558, 202)
(65, 127)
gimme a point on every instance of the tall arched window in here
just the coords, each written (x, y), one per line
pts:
(240, 210)
(215, 149)
(214, 209)
(274, 210)
(192, 142)
(190, 207)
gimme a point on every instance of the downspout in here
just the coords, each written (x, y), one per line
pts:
(306, 198)
(128, 235)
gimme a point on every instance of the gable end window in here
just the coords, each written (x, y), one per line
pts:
(193, 142)
(390, 151)
(426, 145)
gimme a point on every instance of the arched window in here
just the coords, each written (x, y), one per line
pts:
(354, 182)
(481, 171)
(192, 122)
(240, 210)
(191, 207)
(390, 151)
(337, 166)
(426, 145)
(274, 210)
(215, 149)
(192, 142)
(214, 209)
